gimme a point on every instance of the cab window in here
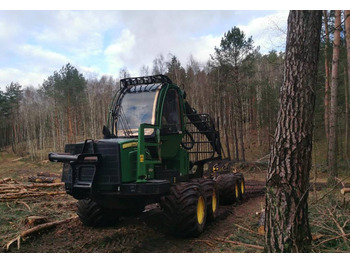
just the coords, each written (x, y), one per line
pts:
(171, 121)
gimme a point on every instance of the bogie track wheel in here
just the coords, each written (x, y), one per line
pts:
(228, 188)
(185, 209)
(94, 215)
(211, 191)
(241, 185)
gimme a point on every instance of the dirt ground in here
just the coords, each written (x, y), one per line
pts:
(143, 234)
(235, 230)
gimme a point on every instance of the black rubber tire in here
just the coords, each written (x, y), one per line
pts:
(180, 209)
(241, 185)
(210, 188)
(94, 215)
(228, 188)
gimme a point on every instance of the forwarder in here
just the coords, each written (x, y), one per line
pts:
(155, 149)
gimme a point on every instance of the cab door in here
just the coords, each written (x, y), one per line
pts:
(171, 125)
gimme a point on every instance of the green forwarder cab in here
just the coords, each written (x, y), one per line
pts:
(144, 158)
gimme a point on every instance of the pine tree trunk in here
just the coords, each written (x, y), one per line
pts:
(69, 119)
(226, 124)
(326, 87)
(240, 123)
(228, 127)
(347, 87)
(227, 144)
(346, 116)
(286, 222)
(332, 141)
(237, 157)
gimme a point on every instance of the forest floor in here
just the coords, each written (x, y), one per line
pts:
(235, 230)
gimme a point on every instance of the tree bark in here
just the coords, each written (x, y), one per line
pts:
(239, 112)
(346, 146)
(326, 87)
(69, 119)
(347, 34)
(226, 124)
(332, 141)
(286, 222)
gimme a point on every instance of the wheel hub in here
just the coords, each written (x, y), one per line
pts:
(242, 187)
(200, 210)
(213, 201)
(236, 190)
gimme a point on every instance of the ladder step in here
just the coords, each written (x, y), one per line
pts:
(152, 144)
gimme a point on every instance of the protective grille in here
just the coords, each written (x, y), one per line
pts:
(86, 173)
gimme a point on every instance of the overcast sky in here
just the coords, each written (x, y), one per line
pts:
(34, 44)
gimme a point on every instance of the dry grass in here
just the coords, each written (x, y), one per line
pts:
(15, 211)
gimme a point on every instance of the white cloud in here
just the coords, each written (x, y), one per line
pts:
(41, 55)
(74, 32)
(118, 52)
(37, 66)
(36, 43)
(269, 32)
(21, 76)
(201, 47)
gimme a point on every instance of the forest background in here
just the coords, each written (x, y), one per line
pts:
(238, 87)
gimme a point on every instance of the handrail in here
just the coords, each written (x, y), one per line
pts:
(141, 149)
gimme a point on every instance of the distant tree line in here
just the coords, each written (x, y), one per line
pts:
(239, 91)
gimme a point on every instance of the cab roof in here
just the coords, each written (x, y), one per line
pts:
(143, 88)
(144, 83)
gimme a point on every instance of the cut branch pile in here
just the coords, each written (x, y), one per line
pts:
(332, 224)
(12, 190)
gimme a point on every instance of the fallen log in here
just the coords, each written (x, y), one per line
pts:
(46, 185)
(35, 229)
(43, 179)
(18, 186)
(5, 180)
(35, 220)
(8, 185)
(6, 190)
(46, 174)
(345, 191)
(11, 196)
(24, 188)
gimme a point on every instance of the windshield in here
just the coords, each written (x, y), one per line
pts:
(136, 108)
